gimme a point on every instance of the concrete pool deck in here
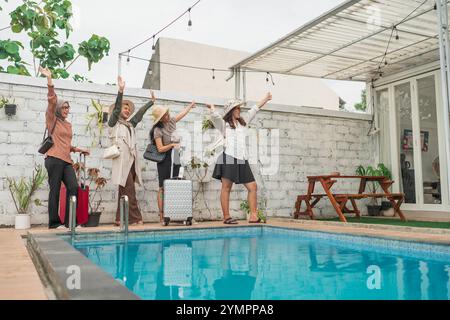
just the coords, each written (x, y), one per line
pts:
(20, 280)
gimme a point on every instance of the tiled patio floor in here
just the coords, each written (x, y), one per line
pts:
(19, 279)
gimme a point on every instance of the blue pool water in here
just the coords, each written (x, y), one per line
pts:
(270, 263)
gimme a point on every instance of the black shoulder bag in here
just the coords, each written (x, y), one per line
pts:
(152, 153)
(47, 142)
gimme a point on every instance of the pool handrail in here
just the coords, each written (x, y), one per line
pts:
(124, 210)
(72, 215)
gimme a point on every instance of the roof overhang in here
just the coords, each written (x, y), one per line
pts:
(349, 42)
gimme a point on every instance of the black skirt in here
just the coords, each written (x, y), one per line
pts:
(233, 169)
(164, 168)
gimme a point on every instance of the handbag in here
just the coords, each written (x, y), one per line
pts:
(152, 153)
(47, 142)
(113, 151)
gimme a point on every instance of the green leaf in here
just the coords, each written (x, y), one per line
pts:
(13, 70)
(16, 28)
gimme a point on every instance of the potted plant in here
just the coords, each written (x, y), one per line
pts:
(96, 120)
(198, 172)
(10, 106)
(246, 208)
(381, 170)
(95, 183)
(22, 191)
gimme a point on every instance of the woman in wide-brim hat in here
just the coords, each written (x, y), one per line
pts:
(232, 166)
(126, 169)
(163, 135)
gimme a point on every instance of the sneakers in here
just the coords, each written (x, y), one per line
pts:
(61, 227)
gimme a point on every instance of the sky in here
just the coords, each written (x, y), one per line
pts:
(245, 25)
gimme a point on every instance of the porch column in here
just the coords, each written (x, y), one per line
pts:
(441, 7)
(237, 83)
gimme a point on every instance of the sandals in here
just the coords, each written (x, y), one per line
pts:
(230, 221)
(257, 221)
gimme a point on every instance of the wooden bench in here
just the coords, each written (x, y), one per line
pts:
(340, 200)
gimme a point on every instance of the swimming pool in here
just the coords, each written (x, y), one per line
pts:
(269, 263)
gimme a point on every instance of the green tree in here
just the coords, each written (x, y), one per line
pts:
(362, 106)
(43, 22)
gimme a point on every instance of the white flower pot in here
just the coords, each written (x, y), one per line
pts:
(23, 221)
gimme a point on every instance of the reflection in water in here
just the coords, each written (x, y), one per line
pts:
(238, 280)
(267, 267)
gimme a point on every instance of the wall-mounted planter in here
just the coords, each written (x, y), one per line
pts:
(10, 109)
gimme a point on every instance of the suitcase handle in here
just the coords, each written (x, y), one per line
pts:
(180, 175)
(83, 159)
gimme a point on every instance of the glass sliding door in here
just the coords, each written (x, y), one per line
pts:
(429, 140)
(405, 137)
(382, 105)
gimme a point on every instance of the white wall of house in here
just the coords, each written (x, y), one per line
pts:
(312, 141)
(288, 90)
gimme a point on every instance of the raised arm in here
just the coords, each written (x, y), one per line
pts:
(50, 115)
(183, 113)
(118, 105)
(215, 117)
(140, 114)
(252, 112)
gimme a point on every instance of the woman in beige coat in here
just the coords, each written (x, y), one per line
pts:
(126, 169)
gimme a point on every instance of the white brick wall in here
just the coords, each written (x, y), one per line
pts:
(311, 142)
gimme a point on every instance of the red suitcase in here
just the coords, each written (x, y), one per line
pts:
(82, 200)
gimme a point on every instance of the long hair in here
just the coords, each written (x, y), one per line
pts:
(152, 131)
(229, 119)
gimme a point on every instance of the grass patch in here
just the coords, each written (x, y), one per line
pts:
(395, 222)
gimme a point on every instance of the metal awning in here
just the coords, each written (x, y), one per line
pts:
(350, 41)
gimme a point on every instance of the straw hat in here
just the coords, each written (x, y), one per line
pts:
(231, 105)
(128, 103)
(158, 112)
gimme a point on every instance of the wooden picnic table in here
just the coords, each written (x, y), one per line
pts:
(340, 200)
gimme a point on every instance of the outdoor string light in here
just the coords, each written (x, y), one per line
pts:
(397, 37)
(153, 46)
(190, 21)
(188, 11)
(213, 74)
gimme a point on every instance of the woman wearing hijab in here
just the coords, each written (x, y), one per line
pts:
(126, 169)
(163, 135)
(232, 166)
(57, 160)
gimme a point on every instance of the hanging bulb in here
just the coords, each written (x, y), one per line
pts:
(213, 74)
(128, 56)
(396, 34)
(190, 21)
(153, 46)
(385, 62)
(150, 71)
(271, 78)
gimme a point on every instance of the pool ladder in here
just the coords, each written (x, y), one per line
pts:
(124, 214)
(72, 215)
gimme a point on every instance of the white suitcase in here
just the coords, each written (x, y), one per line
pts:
(177, 198)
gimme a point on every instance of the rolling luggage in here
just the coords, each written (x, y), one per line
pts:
(177, 198)
(82, 199)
